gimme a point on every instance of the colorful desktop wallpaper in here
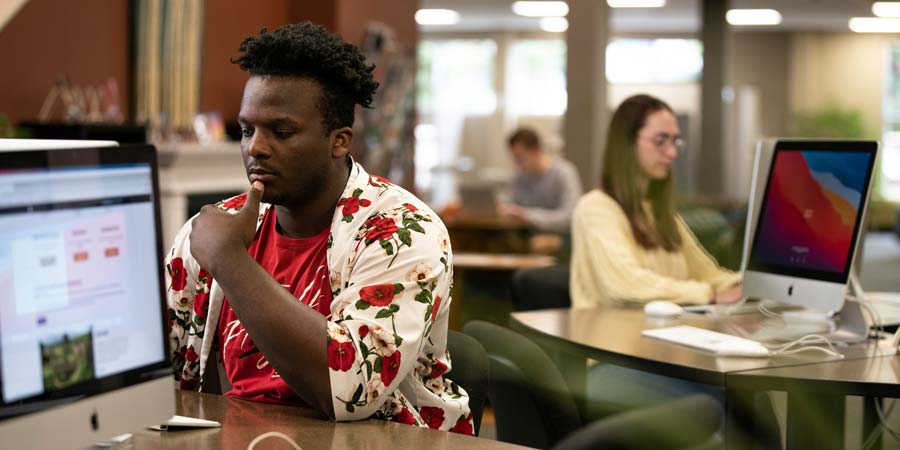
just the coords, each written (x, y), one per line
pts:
(812, 203)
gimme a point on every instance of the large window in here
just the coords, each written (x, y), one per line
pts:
(536, 78)
(456, 78)
(890, 155)
(654, 60)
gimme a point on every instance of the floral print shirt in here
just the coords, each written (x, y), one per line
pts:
(390, 270)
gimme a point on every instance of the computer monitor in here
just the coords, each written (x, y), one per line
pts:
(808, 218)
(83, 348)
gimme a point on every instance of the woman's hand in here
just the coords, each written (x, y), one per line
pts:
(729, 295)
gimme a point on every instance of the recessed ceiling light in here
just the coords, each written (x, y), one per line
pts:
(742, 17)
(540, 9)
(554, 24)
(874, 25)
(636, 3)
(886, 9)
(437, 17)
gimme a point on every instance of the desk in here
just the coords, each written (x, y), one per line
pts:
(488, 234)
(613, 335)
(816, 395)
(242, 421)
(480, 284)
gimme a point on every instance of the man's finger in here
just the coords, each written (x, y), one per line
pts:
(254, 196)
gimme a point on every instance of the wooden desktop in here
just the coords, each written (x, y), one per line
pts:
(242, 421)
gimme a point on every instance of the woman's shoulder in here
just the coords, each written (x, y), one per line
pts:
(596, 202)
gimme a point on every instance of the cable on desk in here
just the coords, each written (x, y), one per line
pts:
(259, 438)
(807, 343)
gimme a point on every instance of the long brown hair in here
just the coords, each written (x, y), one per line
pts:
(621, 172)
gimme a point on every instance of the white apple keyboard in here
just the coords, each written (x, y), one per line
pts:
(719, 343)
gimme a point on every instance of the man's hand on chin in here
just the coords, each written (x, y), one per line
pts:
(217, 236)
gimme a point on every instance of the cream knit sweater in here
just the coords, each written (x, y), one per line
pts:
(609, 266)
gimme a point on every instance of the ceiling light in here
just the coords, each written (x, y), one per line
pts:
(540, 9)
(636, 3)
(437, 17)
(554, 24)
(874, 25)
(886, 9)
(753, 17)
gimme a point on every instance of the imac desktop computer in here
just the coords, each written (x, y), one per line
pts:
(83, 348)
(805, 218)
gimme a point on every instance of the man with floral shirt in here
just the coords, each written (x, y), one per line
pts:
(322, 285)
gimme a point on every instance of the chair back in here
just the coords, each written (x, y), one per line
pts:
(531, 401)
(689, 422)
(541, 288)
(469, 369)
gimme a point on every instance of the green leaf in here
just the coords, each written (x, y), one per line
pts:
(387, 246)
(394, 307)
(357, 191)
(398, 288)
(368, 369)
(417, 228)
(428, 313)
(350, 407)
(348, 218)
(357, 394)
(404, 236)
(384, 313)
(397, 339)
(361, 304)
(378, 364)
(424, 296)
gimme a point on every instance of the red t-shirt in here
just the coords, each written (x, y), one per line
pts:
(300, 265)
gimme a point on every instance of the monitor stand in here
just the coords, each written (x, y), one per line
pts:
(851, 324)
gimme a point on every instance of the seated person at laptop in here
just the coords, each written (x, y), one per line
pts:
(322, 285)
(629, 244)
(545, 187)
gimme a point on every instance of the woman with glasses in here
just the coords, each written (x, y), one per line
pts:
(629, 244)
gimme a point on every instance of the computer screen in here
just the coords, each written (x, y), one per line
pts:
(81, 309)
(809, 221)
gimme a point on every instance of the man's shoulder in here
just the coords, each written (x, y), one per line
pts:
(384, 195)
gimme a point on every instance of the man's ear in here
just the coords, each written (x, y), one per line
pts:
(341, 140)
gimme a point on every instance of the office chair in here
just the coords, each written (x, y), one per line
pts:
(540, 288)
(534, 407)
(469, 369)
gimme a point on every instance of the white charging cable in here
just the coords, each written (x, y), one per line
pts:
(259, 438)
(806, 343)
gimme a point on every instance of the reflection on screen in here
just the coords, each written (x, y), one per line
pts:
(810, 211)
(78, 289)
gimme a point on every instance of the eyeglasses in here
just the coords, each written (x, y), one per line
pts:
(661, 139)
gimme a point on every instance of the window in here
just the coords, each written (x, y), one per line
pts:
(890, 152)
(654, 61)
(455, 79)
(536, 78)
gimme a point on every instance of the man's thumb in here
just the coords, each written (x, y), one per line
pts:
(254, 196)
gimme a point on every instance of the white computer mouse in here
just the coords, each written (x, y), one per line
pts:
(741, 348)
(660, 308)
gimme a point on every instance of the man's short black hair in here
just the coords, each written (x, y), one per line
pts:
(306, 50)
(526, 137)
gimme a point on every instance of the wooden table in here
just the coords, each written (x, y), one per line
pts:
(481, 282)
(613, 335)
(242, 421)
(488, 234)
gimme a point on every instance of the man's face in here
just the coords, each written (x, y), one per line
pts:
(283, 143)
(525, 159)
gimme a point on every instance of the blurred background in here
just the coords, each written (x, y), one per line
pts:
(458, 75)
